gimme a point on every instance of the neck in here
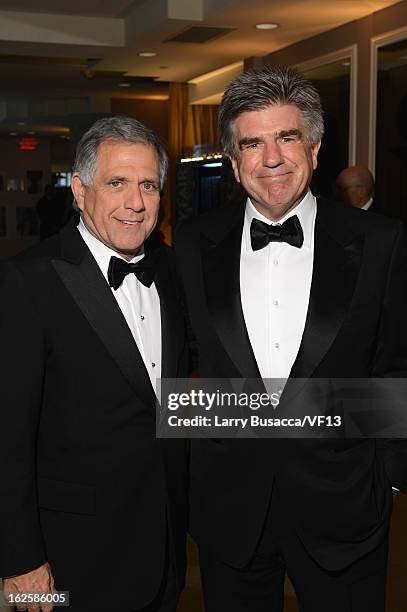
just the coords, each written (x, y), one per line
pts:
(277, 212)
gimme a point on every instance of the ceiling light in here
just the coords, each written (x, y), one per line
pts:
(12, 133)
(124, 84)
(147, 54)
(266, 26)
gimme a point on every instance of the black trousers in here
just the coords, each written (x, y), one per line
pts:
(168, 596)
(259, 587)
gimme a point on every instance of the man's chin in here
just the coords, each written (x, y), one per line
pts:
(129, 251)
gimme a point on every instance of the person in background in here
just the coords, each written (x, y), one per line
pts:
(50, 212)
(355, 186)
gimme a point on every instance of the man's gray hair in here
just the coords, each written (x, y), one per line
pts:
(259, 88)
(120, 129)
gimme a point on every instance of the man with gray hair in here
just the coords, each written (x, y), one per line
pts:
(286, 285)
(92, 502)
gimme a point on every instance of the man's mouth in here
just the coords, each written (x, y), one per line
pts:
(274, 176)
(128, 222)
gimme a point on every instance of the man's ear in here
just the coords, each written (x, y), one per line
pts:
(314, 153)
(78, 190)
(235, 167)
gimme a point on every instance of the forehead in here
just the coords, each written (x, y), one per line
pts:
(273, 118)
(133, 157)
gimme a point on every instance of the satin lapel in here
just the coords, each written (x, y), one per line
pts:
(171, 318)
(335, 272)
(88, 287)
(221, 272)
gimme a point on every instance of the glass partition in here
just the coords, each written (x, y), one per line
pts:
(333, 81)
(391, 128)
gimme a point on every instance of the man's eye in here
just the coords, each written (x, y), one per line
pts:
(115, 184)
(287, 139)
(251, 145)
(150, 187)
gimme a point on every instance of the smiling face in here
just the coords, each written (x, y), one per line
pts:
(121, 206)
(274, 162)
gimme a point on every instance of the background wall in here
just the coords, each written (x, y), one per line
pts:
(153, 113)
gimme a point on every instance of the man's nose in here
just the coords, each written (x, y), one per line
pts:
(134, 199)
(272, 155)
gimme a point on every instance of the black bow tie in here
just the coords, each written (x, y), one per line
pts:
(118, 270)
(290, 231)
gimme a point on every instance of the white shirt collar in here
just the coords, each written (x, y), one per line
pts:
(305, 211)
(367, 205)
(100, 251)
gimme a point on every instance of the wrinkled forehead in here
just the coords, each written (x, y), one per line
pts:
(273, 119)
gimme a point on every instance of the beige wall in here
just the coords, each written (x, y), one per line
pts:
(357, 32)
(154, 113)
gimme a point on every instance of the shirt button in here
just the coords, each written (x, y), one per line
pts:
(275, 302)
(142, 317)
(153, 364)
(276, 345)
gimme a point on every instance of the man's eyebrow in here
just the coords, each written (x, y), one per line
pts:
(150, 180)
(292, 132)
(116, 177)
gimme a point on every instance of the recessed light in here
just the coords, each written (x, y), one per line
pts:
(124, 84)
(147, 54)
(267, 26)
(12, 133)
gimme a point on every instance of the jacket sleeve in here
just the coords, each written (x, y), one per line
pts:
(391, 350)
(21, 382)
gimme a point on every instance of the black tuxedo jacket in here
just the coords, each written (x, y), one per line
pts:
(85, 483)
(338, 494)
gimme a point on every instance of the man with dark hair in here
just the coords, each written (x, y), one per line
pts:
(286, 285)
(355, 186)
(92, 502)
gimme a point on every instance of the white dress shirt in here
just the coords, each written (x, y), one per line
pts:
(367, 205)
(140, 305)
(275, 288)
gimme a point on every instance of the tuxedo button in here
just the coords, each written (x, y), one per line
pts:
(153, 365)
(142, 317)
(276, 345)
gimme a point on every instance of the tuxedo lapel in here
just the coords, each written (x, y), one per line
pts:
(221, 273)
(337, 259)
(84, 280)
